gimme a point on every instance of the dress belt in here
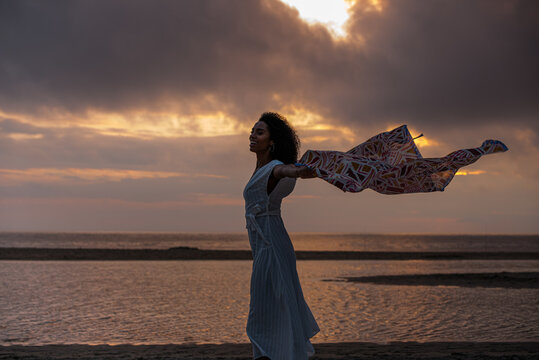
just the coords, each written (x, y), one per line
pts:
(252, 224)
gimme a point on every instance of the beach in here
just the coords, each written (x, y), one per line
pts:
(88, 296)
(345, 350)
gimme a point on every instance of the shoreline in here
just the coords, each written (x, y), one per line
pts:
(343, 350)
(191, 253)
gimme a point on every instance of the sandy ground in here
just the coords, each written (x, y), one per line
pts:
(364, 351)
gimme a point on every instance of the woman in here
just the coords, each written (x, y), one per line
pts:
(280, 322)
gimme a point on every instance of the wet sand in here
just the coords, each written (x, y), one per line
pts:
(191, 253)
(509, 280)
(352, 350)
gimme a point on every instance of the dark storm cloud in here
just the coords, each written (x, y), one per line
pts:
(425, 62)
(117, 55)
(464, 61)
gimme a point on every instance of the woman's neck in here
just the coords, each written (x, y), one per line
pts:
(262, 159)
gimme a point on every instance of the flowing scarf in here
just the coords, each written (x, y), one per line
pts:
(390, 163)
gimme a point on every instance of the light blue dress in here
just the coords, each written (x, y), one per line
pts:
(280, 323)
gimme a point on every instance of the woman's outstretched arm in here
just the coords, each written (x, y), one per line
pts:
(293, 171)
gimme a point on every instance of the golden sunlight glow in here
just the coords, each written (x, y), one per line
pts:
(316, 139)
(331, 13)
(86, 174)
(424, 142)
(148, 125)
(421, 142)
(22, 136)
(470, 172)
(141, 124)
(375, 5)
(315, 127)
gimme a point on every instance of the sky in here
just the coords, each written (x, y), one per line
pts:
(129, 115)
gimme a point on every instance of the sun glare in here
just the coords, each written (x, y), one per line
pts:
(331, 13)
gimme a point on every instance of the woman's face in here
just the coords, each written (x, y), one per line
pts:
(260, 141)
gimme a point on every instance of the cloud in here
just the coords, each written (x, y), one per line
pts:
(80, 147)
(439, 61)
(122, 55)
(17, 127)
(436, 62)
(87, 175)
(171, 87)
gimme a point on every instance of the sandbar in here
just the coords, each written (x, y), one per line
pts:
(192, 253)
(509, 280)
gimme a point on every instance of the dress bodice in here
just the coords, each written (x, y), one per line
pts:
(257, 200)
(260, 206)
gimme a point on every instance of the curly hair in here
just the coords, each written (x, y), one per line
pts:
(284, 136)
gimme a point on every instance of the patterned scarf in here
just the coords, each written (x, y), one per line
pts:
(390, 163)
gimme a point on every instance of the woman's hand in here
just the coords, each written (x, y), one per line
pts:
(305, 172)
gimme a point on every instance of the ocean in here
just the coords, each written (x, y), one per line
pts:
(197, 301)
(301, 241)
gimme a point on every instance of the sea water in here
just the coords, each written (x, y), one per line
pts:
(160, 302)
(301, 241)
